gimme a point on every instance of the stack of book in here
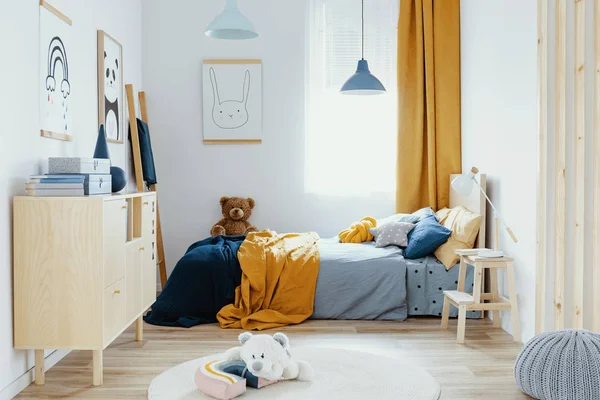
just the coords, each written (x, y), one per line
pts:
(72, 176)
(55, 185)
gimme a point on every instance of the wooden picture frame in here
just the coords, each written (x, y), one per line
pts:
(110, 87)
(55, 86)
(232, 101)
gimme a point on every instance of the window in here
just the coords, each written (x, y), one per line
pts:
(351, 140)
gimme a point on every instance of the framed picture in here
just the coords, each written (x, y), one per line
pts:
(110, 87)
(232, 101)
(55, 84)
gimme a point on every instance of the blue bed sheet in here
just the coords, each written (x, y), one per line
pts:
(361, 281)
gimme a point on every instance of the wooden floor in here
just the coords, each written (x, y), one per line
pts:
(479, 369)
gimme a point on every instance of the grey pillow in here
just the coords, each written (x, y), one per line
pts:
(424, 213)
(392, 232)
(411, 218)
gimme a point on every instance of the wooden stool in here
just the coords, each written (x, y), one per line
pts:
(476, 301)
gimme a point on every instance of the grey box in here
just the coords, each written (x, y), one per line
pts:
(78, 165)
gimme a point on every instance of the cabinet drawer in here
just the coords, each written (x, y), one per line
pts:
(114, 309)
(115, 236)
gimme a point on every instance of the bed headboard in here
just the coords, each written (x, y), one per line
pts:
(475, 202)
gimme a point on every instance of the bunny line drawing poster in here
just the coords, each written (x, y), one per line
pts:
(56, 86)
(232, 101)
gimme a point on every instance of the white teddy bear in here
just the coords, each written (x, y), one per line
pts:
(269, 357)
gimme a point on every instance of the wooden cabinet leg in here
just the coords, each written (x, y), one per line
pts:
(495, 298)
(40, 377)
(139, 329)
(445, 313)
(462, 320)
(97, 366)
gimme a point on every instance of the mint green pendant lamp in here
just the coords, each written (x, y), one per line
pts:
(231, 24)
(363, 82)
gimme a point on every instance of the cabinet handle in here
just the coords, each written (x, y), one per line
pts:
(141, 248)
(117, 291)
(123, 207)
(145, 203)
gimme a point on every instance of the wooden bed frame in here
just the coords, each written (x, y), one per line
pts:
(475, 203)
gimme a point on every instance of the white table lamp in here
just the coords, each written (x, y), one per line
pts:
(463, 185)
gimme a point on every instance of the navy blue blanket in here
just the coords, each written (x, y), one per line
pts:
(203, 281)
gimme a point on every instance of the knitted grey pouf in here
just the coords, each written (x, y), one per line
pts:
(561, 365)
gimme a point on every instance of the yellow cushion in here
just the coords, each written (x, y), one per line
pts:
(464, 226)
(358, 232)
(442, 214)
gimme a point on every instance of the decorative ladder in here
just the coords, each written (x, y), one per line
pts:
(139, 177)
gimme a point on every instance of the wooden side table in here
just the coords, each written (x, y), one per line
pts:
(476, 301)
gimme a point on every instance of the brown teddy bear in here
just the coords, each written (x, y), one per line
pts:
(236, 211)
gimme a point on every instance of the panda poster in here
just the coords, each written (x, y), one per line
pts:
(110, 87)
(56, 87)
(232, 101)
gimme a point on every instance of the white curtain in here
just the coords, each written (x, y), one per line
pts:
(351, 140)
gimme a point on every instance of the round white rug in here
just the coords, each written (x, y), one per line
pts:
(340, 374)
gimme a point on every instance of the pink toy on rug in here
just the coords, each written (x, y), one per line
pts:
(225, 380)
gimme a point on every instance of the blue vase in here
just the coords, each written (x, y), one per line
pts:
(101, 150)
(119, 180)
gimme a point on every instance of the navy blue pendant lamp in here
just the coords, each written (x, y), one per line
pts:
(363, 82)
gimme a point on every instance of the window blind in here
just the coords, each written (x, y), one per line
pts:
(351, 140)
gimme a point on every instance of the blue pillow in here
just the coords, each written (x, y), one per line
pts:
(426, 237)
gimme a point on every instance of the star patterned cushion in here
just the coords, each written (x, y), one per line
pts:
(392, 232)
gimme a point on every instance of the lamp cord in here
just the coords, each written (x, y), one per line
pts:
(363, 30)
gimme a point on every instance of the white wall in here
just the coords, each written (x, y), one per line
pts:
(22, 150)
(192, 176)
(499, 125)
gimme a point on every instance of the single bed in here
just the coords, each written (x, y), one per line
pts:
(355, 281)
(360, 281)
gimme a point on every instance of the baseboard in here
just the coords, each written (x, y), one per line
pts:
(28, 377)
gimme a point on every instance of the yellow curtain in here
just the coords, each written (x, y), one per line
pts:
(429, 102)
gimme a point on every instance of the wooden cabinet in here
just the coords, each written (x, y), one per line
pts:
(84, 270)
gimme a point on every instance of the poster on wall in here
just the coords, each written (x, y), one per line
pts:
(232, 101)
(110, 87)
(55, 84)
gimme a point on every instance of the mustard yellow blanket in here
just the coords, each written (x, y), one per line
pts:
(279, 279)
